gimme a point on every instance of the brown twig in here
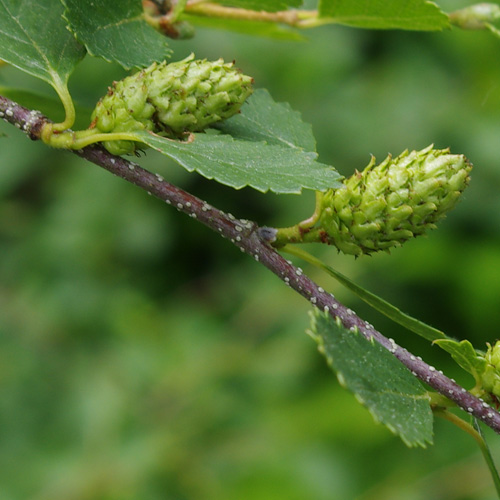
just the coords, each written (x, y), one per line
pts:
(246, 235)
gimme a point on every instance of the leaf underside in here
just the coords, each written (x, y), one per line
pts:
(378, 380)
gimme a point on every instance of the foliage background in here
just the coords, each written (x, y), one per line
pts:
(143, 357)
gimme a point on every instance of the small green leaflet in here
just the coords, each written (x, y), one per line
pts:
(116, 31)
(267, 146)
(465, 355)
(34, 38)
(378, 380)
(385, 14)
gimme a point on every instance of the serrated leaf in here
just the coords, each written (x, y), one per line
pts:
(261, 5)
(238, 163)
(379, 381)
(264, 152)
(465, 355)
(267, 146)
(385, 14)
(254, 28)
(34, 38)
(263, 119)
(116, 31)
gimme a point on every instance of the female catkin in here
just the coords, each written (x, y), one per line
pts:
(171, 100)
(385, 205)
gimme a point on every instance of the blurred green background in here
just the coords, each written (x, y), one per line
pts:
(142, 357)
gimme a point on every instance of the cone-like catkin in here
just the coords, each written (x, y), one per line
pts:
(171, 99)
(387, 204)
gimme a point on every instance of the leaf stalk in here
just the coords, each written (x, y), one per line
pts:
(477, 435)
(292, 17)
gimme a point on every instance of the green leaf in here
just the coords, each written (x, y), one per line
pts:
(34, 38)
(378, 380)
(263, 119)
(254, 28)
(261, 5)
(385, 14)
(238, 163)
(267, 146)
(465, 355)
(116, 31)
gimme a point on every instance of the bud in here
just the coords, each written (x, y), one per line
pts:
(476, 17)
(387, 204)
(171, 99)
(490, 378)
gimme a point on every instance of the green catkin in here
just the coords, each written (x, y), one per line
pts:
(387, 204)
(171, 100)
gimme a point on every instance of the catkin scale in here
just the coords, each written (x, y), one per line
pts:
(171, 100)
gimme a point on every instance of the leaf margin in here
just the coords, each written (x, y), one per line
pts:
(426, 436)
